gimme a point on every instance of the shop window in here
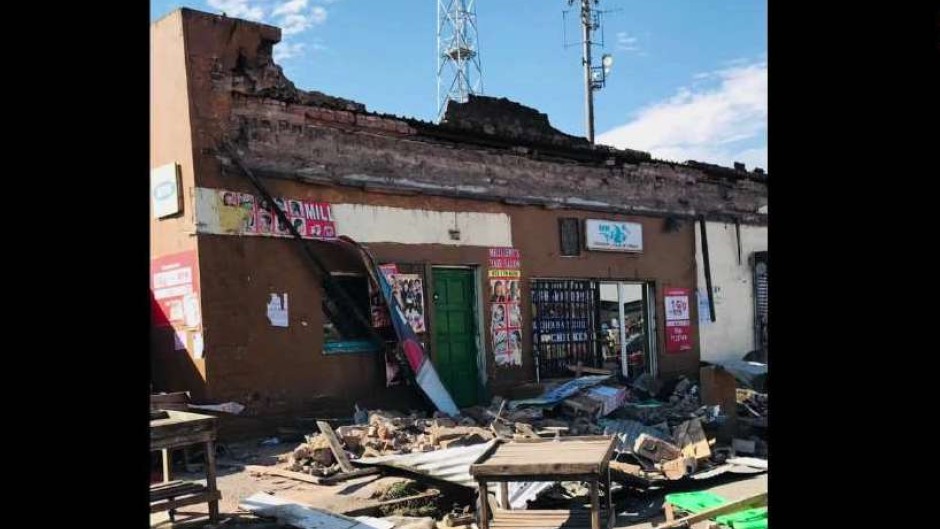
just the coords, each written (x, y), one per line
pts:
(342, 332)
(570, 236)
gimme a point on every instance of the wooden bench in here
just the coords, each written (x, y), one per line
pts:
(171, 429)
(565, 459)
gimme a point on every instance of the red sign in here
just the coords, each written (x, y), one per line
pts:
(313, 220)
(502, 258)
(174, 287)
(678, 320)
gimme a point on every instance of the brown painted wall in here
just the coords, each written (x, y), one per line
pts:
(249, 360)
(272, 368)
(171, 141)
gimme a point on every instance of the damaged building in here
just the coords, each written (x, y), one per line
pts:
(516, 250)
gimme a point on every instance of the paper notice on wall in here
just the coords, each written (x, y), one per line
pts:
(197, 345)
(704, 314)
(179, 339)
(505, 306)
(191, 310)
(277, 310)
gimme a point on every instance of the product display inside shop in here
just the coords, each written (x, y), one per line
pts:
(601, 324)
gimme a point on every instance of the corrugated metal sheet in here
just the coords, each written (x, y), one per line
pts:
(560, 393)
(520, 493)
(451, 464)
(628, 431)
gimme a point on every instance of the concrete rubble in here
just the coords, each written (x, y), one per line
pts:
(665, 435)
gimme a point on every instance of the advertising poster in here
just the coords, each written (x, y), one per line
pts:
(678, 320)
(409, 291)
(174, 287)
(505, 305)
(234, 213)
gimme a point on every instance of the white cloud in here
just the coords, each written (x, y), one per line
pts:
(238, 9)
(706, 125)
(291, 7)
(287, 50)
(293, 16)
(625, 42)
(318, 15)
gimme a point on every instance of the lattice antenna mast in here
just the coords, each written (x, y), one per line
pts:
(459, 72)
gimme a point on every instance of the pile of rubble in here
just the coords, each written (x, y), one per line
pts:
(664, 435)
(387, 433)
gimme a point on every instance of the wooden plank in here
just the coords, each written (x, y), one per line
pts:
(178, 491)
(503, 495)
(690, 438)
(210, 482)
(595, 507)
(750, 502)
(538, 469)
(344, 476)
(166, 505)
(484, 511)
(289, 474)
(337, 448)
(179, 441)
(368, 509)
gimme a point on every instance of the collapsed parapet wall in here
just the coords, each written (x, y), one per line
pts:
(487, 148)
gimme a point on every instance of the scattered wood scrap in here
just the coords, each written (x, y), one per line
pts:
(337, 448)
(307, 478)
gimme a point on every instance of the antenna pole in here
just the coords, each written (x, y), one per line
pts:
(587, 24)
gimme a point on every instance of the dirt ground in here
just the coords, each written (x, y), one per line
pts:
(235, 483)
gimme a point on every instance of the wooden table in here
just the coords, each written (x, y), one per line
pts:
(564, 459)
(171, 429)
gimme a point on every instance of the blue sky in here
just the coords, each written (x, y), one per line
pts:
(689, 79)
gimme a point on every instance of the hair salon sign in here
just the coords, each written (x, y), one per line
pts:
(614, 236)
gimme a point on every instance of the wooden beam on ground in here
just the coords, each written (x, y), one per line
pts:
(397, 501)
(750, 502)
(307, 478)
(337, 448)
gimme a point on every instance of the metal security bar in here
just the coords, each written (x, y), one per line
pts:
(564, 323)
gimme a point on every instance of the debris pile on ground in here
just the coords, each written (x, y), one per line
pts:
(752, 404)
(387, 433)
(664, 436)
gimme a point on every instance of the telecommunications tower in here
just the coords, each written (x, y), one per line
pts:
(459, 73)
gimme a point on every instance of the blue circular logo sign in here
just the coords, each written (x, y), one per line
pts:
(163, 191)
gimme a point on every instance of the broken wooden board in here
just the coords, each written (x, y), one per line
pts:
(678, 468)
(655, 449)
(374, 508)
(750, 502)
(304, 516)
(690, 438)
(307, 478)
(337, 448)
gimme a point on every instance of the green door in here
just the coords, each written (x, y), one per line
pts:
(455, 346)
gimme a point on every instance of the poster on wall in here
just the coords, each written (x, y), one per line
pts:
(678, 320)
(409, 291)
(277, 311)
(232, 213)
(174, 281)
(174, 287)
(505, 306)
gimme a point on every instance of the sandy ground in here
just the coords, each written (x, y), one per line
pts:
(236, 484)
